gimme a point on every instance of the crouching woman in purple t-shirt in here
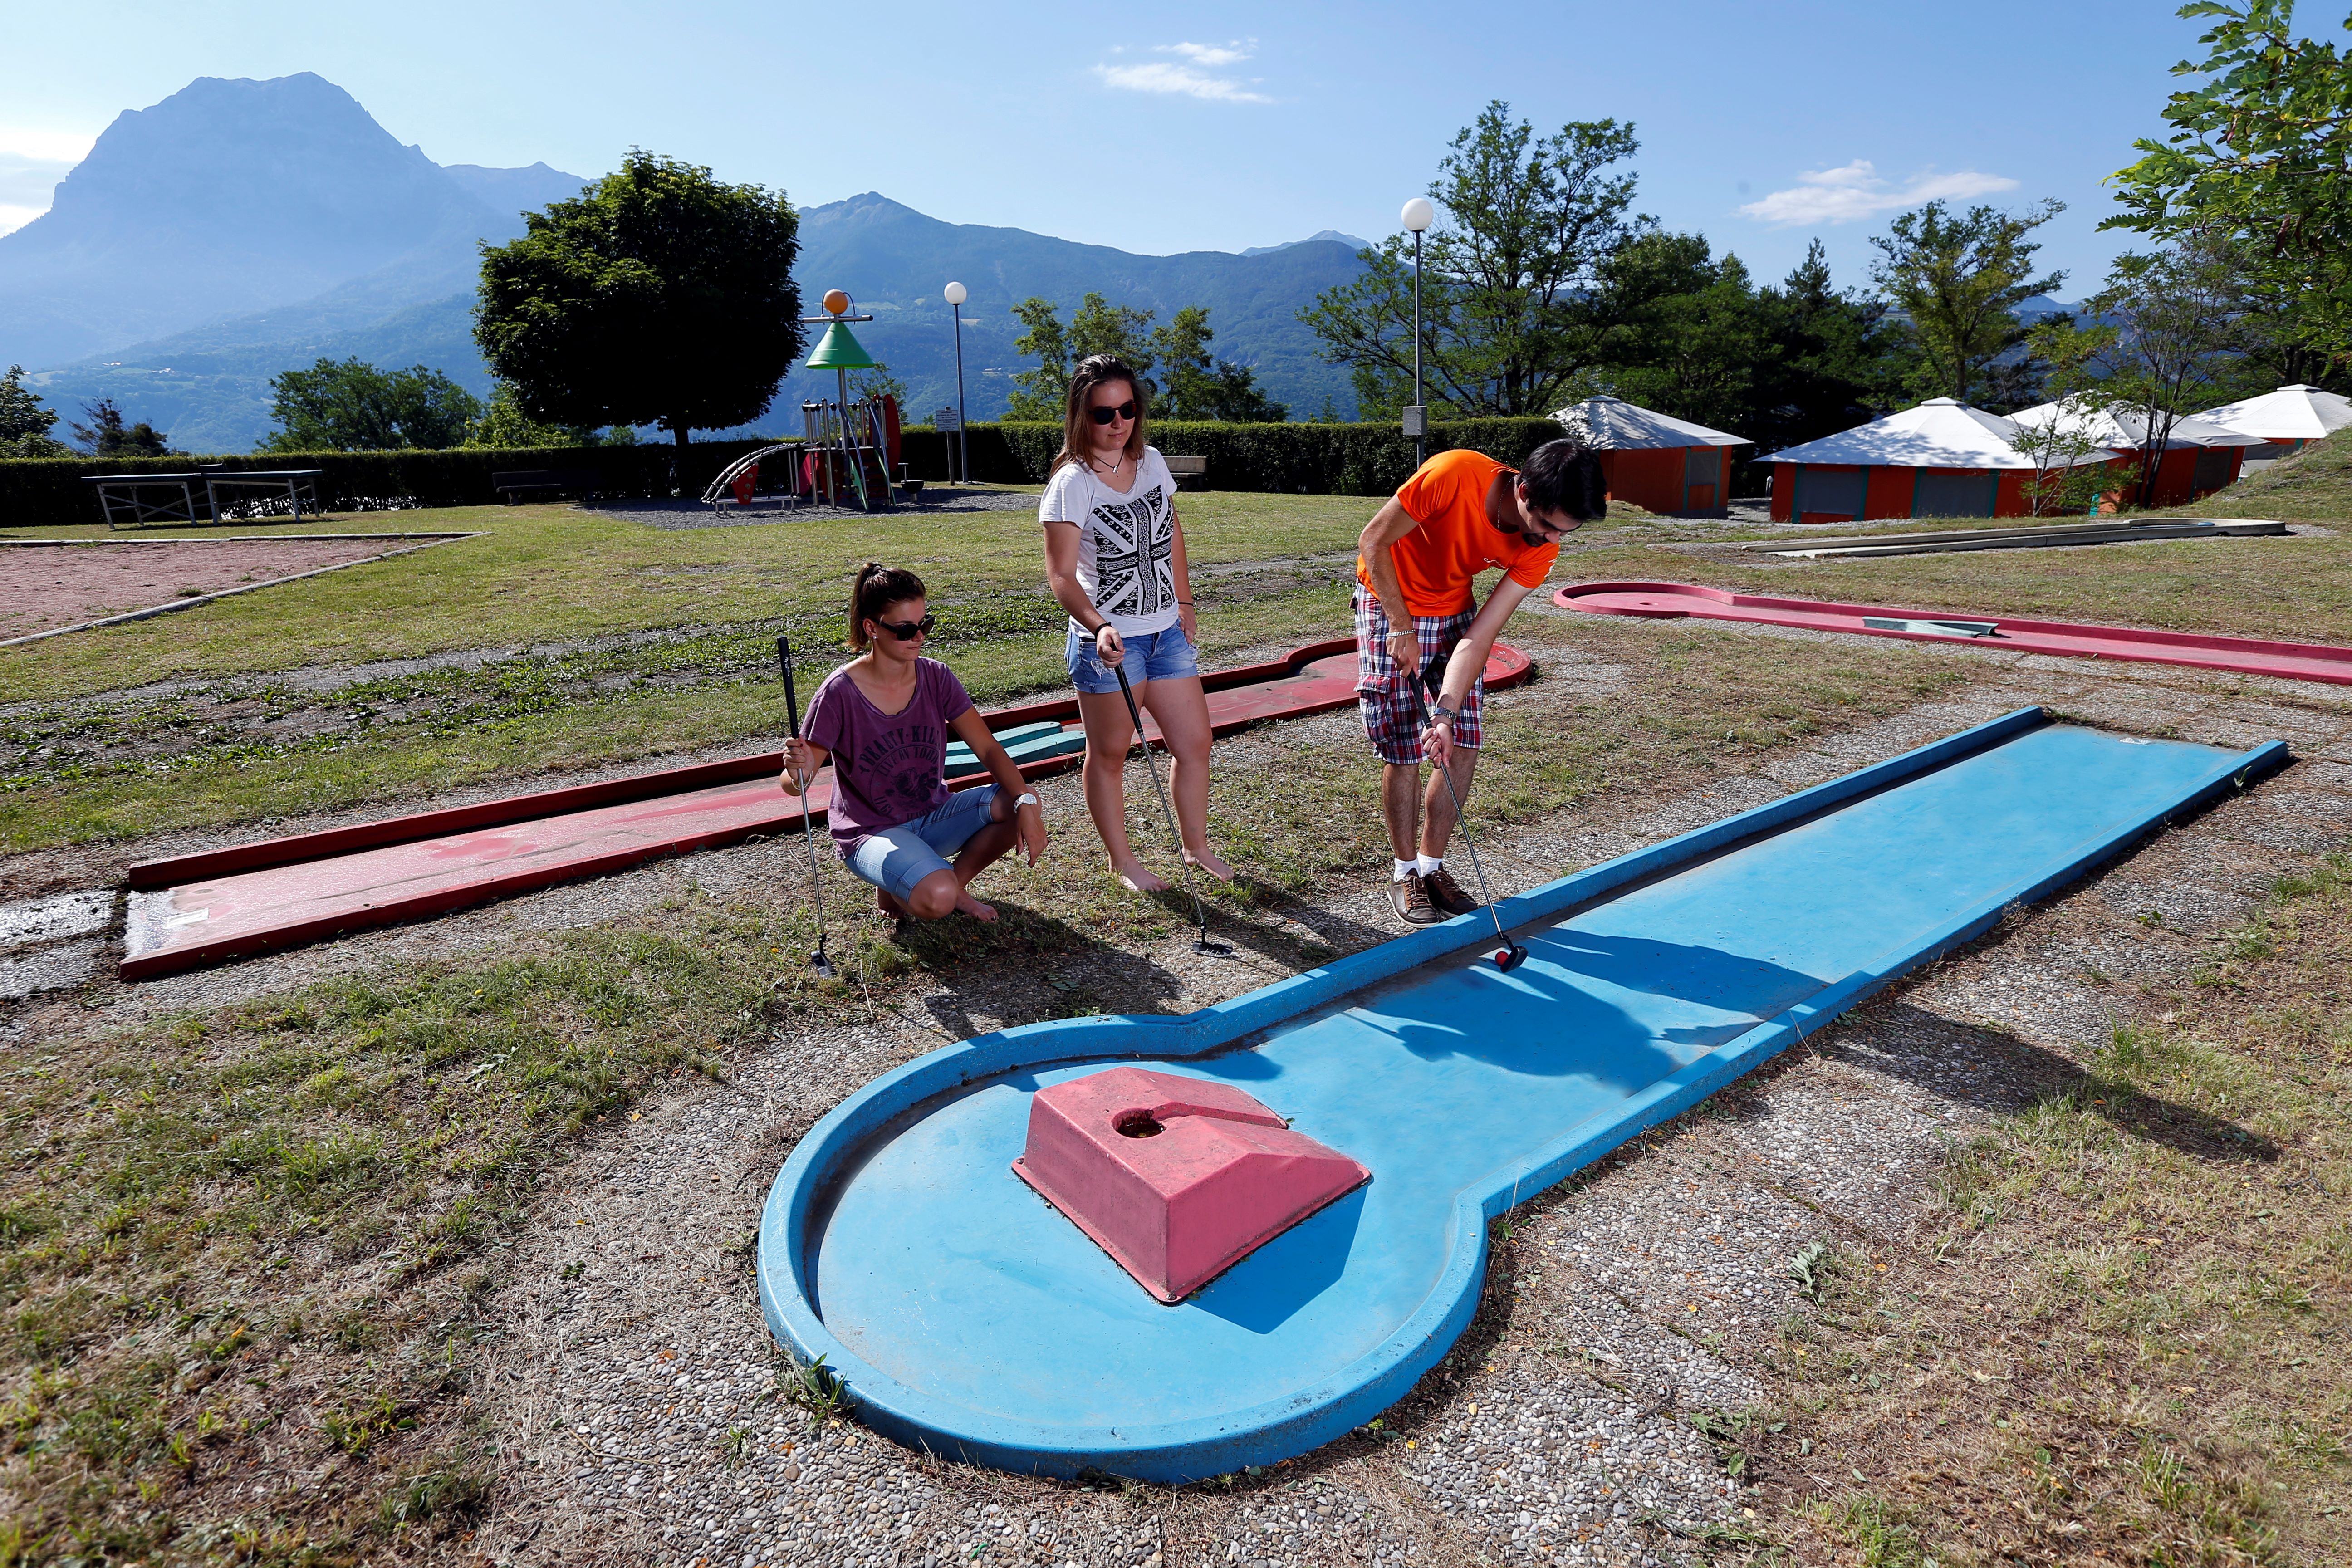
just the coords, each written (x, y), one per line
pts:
(884, 720)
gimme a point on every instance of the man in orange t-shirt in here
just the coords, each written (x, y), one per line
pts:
(1460, 514)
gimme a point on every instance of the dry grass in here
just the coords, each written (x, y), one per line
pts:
(2119, 1338)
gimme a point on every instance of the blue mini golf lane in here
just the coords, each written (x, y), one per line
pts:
(969, 1317)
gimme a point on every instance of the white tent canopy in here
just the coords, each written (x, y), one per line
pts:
(2296, 412)
(2126, 429)
(1613, 424)
(1938, 433)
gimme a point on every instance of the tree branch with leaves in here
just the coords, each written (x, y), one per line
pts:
(1509, 273)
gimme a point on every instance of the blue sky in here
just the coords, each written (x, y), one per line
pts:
(1205, 126)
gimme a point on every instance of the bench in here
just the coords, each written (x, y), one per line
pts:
(174, 498)
(583, 482)
(1186, 467)
(298, 484)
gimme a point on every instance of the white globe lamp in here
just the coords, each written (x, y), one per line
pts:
(956, 293)
(1419, 215)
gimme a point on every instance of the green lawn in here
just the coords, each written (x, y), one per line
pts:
(620, 642)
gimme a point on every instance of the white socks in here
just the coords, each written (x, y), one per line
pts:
(1429, 863)
(1424, 864)
(1403, 868)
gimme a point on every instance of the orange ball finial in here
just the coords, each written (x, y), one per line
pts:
(835, 302)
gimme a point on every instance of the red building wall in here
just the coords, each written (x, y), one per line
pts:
(1652, 478)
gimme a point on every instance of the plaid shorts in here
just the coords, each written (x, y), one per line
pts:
(1383, 694)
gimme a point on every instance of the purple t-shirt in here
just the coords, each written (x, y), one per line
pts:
(888, 768)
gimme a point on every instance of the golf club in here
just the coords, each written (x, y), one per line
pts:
(817, 960)
(1200, 914)
(1512, 955)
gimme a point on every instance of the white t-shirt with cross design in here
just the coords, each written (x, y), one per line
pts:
(1127, 543)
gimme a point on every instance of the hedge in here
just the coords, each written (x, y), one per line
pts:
(1285, 459)
(1291, 459)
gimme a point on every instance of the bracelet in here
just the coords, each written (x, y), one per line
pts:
(1183, 601)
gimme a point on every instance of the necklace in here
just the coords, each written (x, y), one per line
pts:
(1115, 463)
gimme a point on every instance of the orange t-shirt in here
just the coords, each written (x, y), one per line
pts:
(1436, 562)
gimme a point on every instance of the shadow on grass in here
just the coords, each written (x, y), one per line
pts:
(1994, 1070)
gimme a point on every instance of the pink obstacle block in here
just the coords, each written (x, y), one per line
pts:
(1177, 1178)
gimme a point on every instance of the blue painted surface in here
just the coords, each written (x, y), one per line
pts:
(970, 1317)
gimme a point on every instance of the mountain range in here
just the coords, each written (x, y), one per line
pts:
(239, 229)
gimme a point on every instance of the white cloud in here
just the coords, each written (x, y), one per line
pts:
(1188, 76)
(44, 146)
(1208, 55)
(31, 163)
(1856, 191)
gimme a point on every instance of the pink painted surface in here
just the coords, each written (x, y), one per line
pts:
(2240, 656)
(1178, 1179)
(234, 903)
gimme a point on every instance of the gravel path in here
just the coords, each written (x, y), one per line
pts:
(43, 586)
(636, 1401)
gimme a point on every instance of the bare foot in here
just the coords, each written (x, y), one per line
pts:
(967, 904)
(1207, 860)
(1136, 880)
(888, 905)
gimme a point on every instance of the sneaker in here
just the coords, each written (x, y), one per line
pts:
(1409, 896)
(1447, 894)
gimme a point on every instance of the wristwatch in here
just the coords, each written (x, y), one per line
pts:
(1440, 710)
(1029, 800)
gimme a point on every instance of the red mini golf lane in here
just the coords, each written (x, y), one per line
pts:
(2239, 656)
(195, 909)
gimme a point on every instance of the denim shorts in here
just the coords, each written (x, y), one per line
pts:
(897, 858)
(1152, 656)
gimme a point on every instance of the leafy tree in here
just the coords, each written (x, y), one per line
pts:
(879, 382)
(2260, 160)
(1960, 280)
(1510, 273)
(503, 425)
(2166, 335)
(2065, 479)
(110, 434)
(1200, 386)
(658, 296)
(24, 422)
(1099, 327)
(349, 405)
(1840, 358)
(1040, 393)
(1691, 335)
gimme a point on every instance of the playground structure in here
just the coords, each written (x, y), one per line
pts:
(849, 448)
(966, 1318)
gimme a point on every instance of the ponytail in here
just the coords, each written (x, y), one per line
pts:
(876, 588)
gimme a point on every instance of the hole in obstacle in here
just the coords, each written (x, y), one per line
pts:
(1137, 1124)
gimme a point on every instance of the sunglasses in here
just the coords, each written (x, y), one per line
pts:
(1104, 415)
(907, 631)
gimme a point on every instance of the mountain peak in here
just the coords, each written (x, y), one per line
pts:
(1331, 235)
(230, 195)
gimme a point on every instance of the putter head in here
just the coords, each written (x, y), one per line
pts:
(822, 965)
(1214, 949)
(1509, 956)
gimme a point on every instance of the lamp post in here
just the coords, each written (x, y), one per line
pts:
(955, 294)
(1418, 216)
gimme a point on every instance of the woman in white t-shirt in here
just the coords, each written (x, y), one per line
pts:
(1115, 556)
